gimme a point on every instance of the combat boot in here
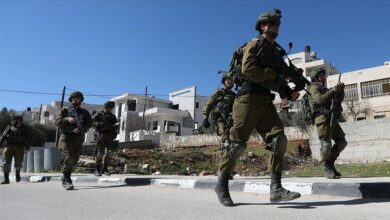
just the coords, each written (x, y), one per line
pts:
(328, 170)
(105, 170)
(336, 173)
(222, 189)
(278, 193)
(6, 179)
(17, 176)
(67, 182)
(98, 171)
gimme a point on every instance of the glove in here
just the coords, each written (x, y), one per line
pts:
(206, 123)
(270, 74)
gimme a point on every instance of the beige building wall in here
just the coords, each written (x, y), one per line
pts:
(367, 89)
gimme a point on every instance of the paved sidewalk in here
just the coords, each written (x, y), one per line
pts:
(373, 187)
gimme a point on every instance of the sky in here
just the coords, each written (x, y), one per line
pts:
(110, 47)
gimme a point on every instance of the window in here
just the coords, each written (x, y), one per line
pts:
(379, 116)
(351, 92)
(123, 125)
(131, 105)
(175, 106)
(155, 125)
(119, 111)
(360, 118)
(376, 88)
(197, 105)
(46, 114)
(171, 127)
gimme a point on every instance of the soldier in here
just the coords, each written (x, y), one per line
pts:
(73, 123)
(253, 109)
(220, 106)
(105, 124)
(16, 137)
(320, 100)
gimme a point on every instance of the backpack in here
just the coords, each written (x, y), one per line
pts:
(307, 110)
(235, 70)
(235, 66)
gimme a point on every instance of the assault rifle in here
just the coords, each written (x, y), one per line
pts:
(73, 113)
(335, 105)
(5, 135)
(288, 73)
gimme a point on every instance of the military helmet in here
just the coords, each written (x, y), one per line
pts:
(269, 17)
(314, 73)
(225, 76)
(17, 117)
(76, 94)
(109, 104)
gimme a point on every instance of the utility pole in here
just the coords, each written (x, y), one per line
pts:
(61, 106)
(40, 114)
(143, 114)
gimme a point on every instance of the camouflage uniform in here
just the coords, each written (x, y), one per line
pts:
(253, 109)
(70, 143)
(219, 108)
(320, 100)
(105, 124)
(16, 140)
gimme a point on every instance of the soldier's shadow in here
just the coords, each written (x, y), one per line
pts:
(128, 182)
(313, 205)
(98, 187)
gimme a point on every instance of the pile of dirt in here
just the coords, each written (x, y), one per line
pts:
(195, 161)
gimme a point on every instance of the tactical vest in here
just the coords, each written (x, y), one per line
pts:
(17, 135)
(69, 127)
(321, 109)
(268, 55)
(104, 122)
(224, 106)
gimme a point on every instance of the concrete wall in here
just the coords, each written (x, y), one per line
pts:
(172, 141)
(368, 141)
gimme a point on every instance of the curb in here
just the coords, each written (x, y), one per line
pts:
(345, 189)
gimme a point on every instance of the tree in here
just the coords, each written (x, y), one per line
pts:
(355, 108)
(5, 118)
(41, 133)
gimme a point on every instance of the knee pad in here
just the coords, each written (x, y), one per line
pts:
(341, 144)
(236, 149)
(326, 148)
(279, 144)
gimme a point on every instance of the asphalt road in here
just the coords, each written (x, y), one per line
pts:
(102, 201)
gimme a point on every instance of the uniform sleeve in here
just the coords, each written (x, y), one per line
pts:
(250, 64)
(61, 120)
(319, 98)
(211, 103)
